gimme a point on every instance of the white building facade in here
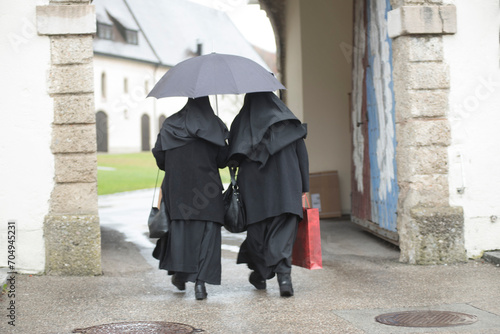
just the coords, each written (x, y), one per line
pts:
(473, 55)
(136, 44)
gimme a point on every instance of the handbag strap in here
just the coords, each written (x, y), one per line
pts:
(232, 172)
(154, 191)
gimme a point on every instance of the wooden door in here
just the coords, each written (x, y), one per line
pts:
(374, 179)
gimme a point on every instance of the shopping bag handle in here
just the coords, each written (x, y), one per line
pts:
(304, 200)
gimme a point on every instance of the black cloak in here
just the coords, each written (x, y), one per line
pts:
(196, 120)
(190, 148)
(263, 127)
(267, 141)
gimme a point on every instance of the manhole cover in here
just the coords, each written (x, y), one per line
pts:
(426, 319)
(140, 327)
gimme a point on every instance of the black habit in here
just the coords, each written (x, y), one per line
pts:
(190, 148)
(267, 142)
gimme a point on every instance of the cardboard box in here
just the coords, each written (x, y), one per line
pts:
(324, 194)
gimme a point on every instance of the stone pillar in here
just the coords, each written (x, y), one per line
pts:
(71, 229)
(430, 230)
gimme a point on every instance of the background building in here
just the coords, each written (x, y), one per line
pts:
(136, 43)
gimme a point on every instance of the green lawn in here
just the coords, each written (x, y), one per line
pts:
(126, 172)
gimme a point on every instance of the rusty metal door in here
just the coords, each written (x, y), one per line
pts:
(374, 181)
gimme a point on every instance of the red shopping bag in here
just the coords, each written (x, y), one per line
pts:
(307, 247)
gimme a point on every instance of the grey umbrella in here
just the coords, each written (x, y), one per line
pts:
(215, 74)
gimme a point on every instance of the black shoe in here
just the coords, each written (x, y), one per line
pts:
(179, 284)
(200, 292)
(257, 281)
(285, 282)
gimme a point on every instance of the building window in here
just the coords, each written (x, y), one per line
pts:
(129, 34)
(125, 86)
(131, 37)
(146, 87)
(104, 31)
(103, 85)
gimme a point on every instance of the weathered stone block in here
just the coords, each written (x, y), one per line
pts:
(423, 132)
(440, 235)
(423, 160)
(423, 190)
(449, 16)
(66, 19)
(71, 1)
(401, 56)
(74, 198)
(422, 2)
(76, 168)
(73, 245)
(426, 49)
(71, 79)
(397, 3)
(428, 76)
(71, 138)
(407, 234)
(74, 109)
(71, 50)
(421, 19)
(395, 23)
(421, 103)
(416, 2)
(407, 20)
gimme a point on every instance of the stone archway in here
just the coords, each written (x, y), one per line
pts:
(421, 87)
(71, 230)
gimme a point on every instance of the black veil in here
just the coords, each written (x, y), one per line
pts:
(264, 126)
(196, 120)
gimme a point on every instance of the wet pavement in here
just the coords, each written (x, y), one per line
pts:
(361, 279)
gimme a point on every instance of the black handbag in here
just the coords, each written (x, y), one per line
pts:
(234, 211)
(158, 220)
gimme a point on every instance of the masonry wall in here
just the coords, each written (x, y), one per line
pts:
(71, 227)
(431, 230)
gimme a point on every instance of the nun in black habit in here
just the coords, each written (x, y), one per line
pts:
(190, 148)
(266, 141)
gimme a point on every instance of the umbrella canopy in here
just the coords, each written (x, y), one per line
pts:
(215, 74)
